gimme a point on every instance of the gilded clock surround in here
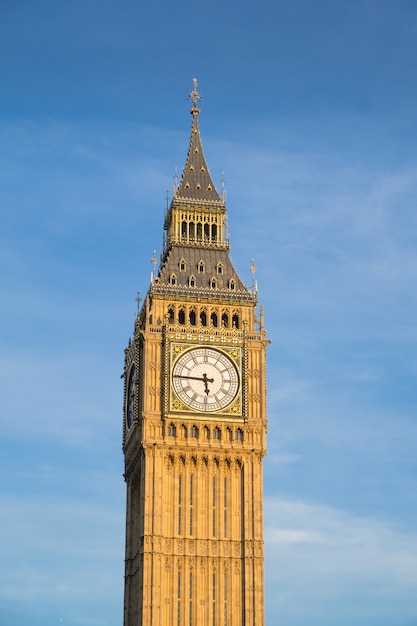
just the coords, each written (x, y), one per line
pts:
(232, 401)
(194, 515)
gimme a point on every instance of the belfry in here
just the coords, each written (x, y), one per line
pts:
(194, 427)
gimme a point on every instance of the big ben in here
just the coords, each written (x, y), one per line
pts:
(194, 426)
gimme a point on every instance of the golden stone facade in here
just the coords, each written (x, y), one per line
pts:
(195, 425)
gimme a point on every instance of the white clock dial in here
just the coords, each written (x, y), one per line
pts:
(205, 379)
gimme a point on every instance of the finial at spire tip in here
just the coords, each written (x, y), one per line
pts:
(195, 97)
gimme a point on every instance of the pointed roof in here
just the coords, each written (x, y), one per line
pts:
(196, 182)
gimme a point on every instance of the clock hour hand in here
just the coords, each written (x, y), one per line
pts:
(207, 380)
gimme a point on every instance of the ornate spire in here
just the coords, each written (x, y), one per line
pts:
(195, 97)
(196, 182)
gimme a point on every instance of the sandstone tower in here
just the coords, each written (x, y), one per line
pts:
(194, 424)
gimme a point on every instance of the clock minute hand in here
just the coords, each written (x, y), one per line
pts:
(202, 378)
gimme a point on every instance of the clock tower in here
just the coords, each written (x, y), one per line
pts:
(194, 425)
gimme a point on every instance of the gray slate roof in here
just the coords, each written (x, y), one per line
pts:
(192, 257)
(196, 182)
(197, 185)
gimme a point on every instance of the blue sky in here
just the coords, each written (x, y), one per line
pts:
(310, 110)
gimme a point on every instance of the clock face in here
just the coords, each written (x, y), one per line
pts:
(205, 379)
(130, 397)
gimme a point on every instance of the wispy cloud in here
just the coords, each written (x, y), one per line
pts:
(319, 555)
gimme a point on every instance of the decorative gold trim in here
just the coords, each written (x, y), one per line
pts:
(176, 408)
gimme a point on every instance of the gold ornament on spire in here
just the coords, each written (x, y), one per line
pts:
(154, 261)
(195, 97)
(138, 299)
(252, 271)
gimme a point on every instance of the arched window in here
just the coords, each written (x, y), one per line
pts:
(173, 279)
(214, 232)
(199, 232)
(232, 285)
(219, 268)
(235, 320)
(191, 231)
(213, 319)
(171, 314)
(181, 316)
(172, 430)
(184, 230)
(191, 281)
(203, 318)
(206, 232)
(192, 317)
(239, 434)
(225, 320)
(200, 267)
(217, 433)
(183, 265)
(213, 283)
(194, 432)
